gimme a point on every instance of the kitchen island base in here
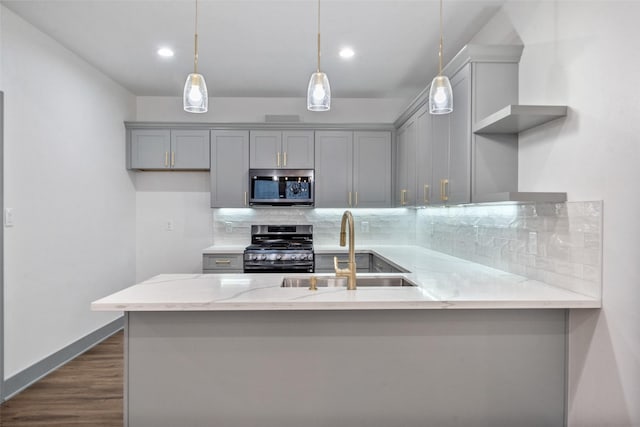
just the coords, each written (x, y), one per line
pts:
(373, 368)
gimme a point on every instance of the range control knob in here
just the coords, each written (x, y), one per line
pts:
(263, 257)
(279, 256)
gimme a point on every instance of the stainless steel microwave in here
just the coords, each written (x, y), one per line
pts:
(281, 187)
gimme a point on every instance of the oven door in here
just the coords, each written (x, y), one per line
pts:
(281, 187)
(276, 266)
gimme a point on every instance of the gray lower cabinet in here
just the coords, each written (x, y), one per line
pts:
(169, 149)
(222, 263)
(292, 149)
(229, 168)
(353, 169)
(324, 262)
(380, 265)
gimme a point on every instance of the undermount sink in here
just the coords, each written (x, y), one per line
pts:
(332, 281)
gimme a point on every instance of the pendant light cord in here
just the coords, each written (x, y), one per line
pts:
(318, 36)
(440, 51)
(195, 42)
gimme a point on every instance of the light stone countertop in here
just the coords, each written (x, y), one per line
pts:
(443, 282)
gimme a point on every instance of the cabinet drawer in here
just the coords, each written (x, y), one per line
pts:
(221, 262)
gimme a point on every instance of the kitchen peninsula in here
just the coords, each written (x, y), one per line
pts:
(240, 350)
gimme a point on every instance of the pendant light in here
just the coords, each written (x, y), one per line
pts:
(319, 91)
(441, 94)
(195, 97)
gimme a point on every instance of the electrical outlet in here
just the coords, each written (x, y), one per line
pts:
(364, 226)
(8, 217)
(228, 227)
(170, 225)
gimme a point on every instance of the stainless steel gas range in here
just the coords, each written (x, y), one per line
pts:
(280, 249)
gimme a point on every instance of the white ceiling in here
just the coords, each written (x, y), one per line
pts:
(262, 48)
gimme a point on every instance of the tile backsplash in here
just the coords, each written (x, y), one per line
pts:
(372, 226)
(556, 243)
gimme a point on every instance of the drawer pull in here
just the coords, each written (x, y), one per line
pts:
(223, 261)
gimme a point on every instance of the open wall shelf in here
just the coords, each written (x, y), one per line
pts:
(514, 119)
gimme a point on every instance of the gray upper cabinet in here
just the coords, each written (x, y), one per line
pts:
(298, 149)
(281, 149)
(414, 180)
(453, 139)
(454, 165)
(353, 169)
(406, 164)
(169, 149)
(371, 169)
(190, 149)
(229, 168)
(334, 177)
(425, 188)
(150, 148)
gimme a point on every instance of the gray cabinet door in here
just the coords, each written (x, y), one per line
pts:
(371, 169)
(406, 164)
(424, 154)
(459, 186)
(150, 148)
(265, 149)
(190, 149)
(298, 149)
(441, 125)
(229, 168)
(333, 160)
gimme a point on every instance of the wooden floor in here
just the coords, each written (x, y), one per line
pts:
(85, 392)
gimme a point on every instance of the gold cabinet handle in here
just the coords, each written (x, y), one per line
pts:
(285, 159)
(426, 193)
(356, 198)
(444, 184)
(278, 159)
(403, 197)
(223, 261)
(245, 198)
(349, 198)
(173, 158)
(166, 159)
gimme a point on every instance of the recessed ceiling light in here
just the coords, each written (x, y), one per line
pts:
(165, 52)
(346, 52)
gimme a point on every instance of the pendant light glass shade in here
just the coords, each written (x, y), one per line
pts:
(318, 93)
(196, 98)
(440, 96)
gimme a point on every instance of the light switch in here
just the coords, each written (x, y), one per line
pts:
(8, 217)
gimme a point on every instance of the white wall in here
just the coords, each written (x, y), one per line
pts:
(583, 54)
(179, 198)
(253, 110)
(74, 202)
